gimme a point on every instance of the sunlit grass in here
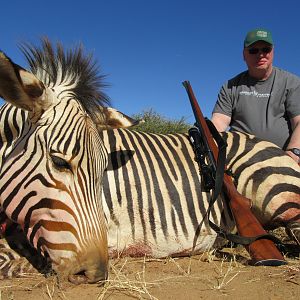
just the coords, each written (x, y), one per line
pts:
(156, 123)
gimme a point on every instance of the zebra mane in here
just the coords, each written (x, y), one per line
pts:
(70, 71)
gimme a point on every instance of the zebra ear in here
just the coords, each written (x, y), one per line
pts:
(113, 119)
(20, 87)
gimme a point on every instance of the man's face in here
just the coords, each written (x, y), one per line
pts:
(259, 57)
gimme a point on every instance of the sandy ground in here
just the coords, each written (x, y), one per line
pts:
(213, 275)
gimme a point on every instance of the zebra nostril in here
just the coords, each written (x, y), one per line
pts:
(78, 278)
(88, 277)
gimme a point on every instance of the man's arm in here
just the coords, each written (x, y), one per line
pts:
(295, 138)
(221, 121)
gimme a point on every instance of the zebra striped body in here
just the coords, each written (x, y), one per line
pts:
(52, 158)
(153, 192)
(153, 200)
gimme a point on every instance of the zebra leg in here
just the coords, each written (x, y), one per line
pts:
(293, 231)
(12, 264)
(18, 258)
(281, 210)
(270, 178)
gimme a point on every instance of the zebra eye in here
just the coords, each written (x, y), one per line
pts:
(60, 163)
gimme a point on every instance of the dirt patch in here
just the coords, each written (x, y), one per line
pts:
(208, 276)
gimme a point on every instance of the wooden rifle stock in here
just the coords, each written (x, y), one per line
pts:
(262, 251)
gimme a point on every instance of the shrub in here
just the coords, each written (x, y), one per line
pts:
(156, 123)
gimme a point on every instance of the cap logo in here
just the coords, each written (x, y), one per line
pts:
(262, 34)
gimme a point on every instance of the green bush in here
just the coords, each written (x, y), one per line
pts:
(156, 123)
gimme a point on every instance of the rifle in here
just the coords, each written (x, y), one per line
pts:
(261, 248)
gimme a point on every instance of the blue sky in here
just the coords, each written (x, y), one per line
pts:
(148, 47)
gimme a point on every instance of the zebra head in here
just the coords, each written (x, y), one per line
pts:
(52, 157)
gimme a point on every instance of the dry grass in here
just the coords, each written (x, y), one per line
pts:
(137, 285)
(211, 273)
(121, 282)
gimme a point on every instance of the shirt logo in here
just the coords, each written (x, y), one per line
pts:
(255, 94)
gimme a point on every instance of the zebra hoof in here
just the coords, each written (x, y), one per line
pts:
(293, 231)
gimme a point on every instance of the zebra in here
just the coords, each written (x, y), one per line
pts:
(155, 203)
(52, 158)
(152, 196)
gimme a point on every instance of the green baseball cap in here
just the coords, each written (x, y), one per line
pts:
(258, 34)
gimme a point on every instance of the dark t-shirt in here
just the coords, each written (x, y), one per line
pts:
(262, 108)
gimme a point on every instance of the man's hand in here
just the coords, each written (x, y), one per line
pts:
(295, 139)
(293, 156)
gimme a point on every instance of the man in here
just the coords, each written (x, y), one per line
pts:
(264, 100)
